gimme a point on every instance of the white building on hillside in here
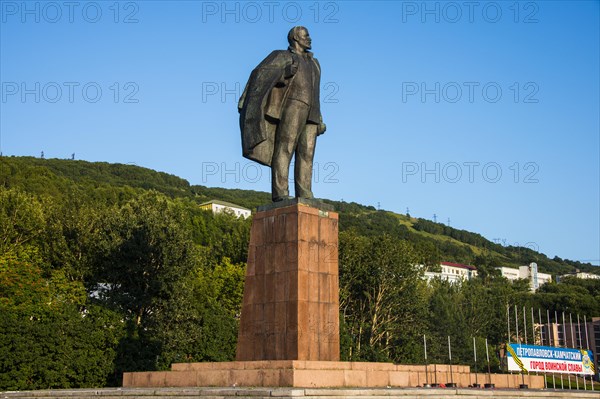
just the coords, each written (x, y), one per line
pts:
(217, 206)
(583, 275)
(453, 272)
(510, 273)
(528, 272)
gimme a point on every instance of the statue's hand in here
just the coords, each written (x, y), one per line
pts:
(290, 70)
(321, 128)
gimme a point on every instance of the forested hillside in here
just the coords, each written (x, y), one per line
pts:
(106, 268)
(436, 241)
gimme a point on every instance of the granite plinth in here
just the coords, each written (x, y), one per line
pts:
(290, 309)
(318, 374)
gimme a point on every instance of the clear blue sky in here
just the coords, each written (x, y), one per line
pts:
(484, 113)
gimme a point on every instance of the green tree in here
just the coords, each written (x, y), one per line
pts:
(146, 262)
(22, 223)
(49, 336)
(571, 295)
(379, 295)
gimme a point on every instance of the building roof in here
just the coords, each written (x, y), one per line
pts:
(224, 203)
(459, 265)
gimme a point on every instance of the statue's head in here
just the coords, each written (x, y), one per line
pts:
(298, 36)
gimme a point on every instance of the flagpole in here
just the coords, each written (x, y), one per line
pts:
(550, 341)
(565, 335)
(557, 344)
(548, 330)
(508, 321)
(451, 384)
(587, 341)
(525, 324)
(487, 354)
(522, 386)
(475, 357)
(571, 333)
(517, 324)
(580, 342)
(426, 368)
(541, 326)
(532, 327)
(542, 342)
(565, 345)
(573, 340)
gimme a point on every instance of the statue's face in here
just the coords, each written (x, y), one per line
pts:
(303, 39)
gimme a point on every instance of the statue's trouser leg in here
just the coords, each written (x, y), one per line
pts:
(305, 152)
(293, 121)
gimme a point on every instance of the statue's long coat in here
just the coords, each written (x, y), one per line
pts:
(261, 104)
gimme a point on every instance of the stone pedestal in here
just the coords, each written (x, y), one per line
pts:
(289, 332)
(290, 309)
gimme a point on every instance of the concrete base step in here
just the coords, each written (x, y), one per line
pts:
(296, 393)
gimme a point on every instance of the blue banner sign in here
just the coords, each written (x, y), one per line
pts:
(548, 359)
